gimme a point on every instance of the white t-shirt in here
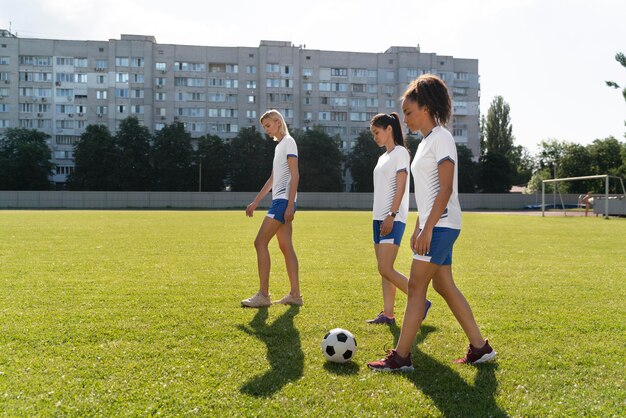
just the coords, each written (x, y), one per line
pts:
(281, 176)
(389, 164)
(435, 148)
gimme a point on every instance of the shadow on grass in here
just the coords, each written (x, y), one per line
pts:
(342, 369)
(284, 352)
(450, 393)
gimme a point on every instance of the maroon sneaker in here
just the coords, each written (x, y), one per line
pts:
(393, 362)
(382, 319)
(477, 355)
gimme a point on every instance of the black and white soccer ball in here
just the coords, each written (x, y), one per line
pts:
(339, 345)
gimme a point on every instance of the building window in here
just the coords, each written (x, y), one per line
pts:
(5, 60)
(121, 77)
(339, 72)
(160, 66)
(65, 61)
(137, 62)
(80, 62)
(121, 61)
(123, 93)
(272, 68)
(250, 69)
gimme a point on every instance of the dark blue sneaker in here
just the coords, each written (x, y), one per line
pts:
(382, 319)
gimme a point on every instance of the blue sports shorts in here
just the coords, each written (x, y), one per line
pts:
(394, 237)
(277, 210)
(440, 246)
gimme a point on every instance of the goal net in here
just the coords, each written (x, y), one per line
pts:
(599, 203)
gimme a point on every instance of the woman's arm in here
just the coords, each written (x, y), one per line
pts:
(264, 191)
(401, 179)
(293, 188)
(446, 177)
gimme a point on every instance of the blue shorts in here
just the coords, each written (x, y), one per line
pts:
(277, 210)
(394, 237)
(440, 246)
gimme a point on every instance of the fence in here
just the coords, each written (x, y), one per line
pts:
(238, 200)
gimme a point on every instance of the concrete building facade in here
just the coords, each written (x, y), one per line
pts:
(62, 86)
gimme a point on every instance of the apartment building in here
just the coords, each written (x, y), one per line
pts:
(62, 86)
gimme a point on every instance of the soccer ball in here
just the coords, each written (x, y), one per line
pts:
(339, 345)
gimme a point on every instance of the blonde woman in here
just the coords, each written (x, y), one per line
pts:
(283, 182)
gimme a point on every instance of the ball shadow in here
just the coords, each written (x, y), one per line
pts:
(342, 369)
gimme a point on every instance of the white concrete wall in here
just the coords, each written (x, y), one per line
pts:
(233, 200)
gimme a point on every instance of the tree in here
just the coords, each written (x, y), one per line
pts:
(466, 169)
(605, 154)
(575, 162)
(497, 131)
(495, 174)
(523, 164)
(250, 158)
(172, 156)
(95, 155)
(497, 166)
(361, 162)
(133, 171)
(212, 154)
(621, 58)
(25, 160)
(320, 162)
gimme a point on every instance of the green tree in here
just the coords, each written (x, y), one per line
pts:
(250, 158)
(495, 174)
(133, 171)
(172, 156)
(320, 162)
(497, 165)
(361, 161)
(606, 156)
(621, 58)
(576, 161)
(95, 156)
(497, 131)
(25, 160)
(466, 169)
(212, 154)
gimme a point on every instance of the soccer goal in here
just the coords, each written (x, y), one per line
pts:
(604, 197)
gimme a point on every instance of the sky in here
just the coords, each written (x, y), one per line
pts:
(548, 59)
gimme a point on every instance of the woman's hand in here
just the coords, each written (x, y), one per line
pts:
(289, 213)
(422, 242)
(250, 208)
(387, 226)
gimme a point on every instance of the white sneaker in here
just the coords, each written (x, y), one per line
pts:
(257, 301)
(290, 300)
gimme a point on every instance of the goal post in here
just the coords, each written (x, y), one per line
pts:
(606, 178)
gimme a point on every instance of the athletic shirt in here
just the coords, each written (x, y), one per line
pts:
(437, 147)
(385, 183)
(281, 176)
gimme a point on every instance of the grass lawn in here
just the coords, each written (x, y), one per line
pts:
(127, 313)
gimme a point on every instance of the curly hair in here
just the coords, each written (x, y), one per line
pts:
(430, 91)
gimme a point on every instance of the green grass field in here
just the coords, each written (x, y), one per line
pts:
(134, 313)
